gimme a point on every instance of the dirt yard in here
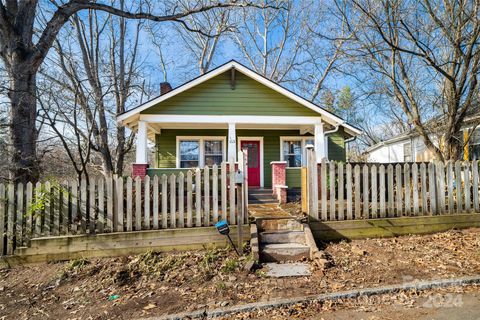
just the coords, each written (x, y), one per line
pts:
(159, 283)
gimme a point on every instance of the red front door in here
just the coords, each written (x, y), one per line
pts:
(253, 148)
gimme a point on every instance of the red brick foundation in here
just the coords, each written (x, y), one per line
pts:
(279, 179)
(139, 170)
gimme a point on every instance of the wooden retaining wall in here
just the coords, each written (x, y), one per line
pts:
(391, 227)
(120, 244)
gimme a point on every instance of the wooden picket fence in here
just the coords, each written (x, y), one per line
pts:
(339, 191)
(195, 199)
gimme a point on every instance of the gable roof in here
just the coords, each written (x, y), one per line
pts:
(133, 114)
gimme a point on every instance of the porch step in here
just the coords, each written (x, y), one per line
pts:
(287, 224)
(276, 252)
(284, 236)
(259, 196)
(282, 239)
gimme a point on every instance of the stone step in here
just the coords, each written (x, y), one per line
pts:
(260, 191)
(278, 252)
(260, 196)
(283, 236)
(279, 224)
(262, 201)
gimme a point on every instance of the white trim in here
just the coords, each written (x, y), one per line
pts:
(240, 139)
(292, 120)
(141, 156)
(201, 140)
(329, 117)
(295, 138)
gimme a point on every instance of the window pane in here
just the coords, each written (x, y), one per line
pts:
(292, 153)
(211, 160)
(188, 164)
(213, 152)
(189, 150)
(214, 147)
(189, 153)
(293, 160)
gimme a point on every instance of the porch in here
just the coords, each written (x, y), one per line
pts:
(271, 142)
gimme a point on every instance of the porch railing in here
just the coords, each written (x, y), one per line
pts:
(195, 199)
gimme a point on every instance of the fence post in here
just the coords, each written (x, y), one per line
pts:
(173, 208)
(119, 197)
(206, 195)
(415, 188)
(390, 189)
(146, 207)
(383, 211)
(323, 188)
(312, 184)
(129, 204)
(349, 192)
(357, 184)
(19, 207)
(475, 185)
(164, 201)
(423, 178)
(341, 200)
(332, 191)
(181, 204)
(399, 189)
(458, 185)
(11, 217)
(373, 173)
(232, 190)
(408, 192)
(366, 189)
(138, 203)
(467, 185)
(431, 189)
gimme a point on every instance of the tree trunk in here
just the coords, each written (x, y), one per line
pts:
(23, 132)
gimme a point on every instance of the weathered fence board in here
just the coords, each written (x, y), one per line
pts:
(384, 191)
(118, 204)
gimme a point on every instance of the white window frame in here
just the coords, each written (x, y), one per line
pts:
(201, 140)
(303, 139)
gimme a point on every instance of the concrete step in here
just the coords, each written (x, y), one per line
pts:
(260, 191)
(278, 252)
(262, 201)
(283, 236)
(279, 224)
(260, 196)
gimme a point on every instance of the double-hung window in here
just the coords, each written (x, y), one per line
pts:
(200, 151)
(294, 151)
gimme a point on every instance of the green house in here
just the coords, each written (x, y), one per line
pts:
(209, 119)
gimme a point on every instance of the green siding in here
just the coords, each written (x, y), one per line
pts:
(215, 97)
(336, 146)
(294, 178)
(166, 145)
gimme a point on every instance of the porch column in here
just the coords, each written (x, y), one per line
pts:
(141, 155)
(139, 168)
(232, 142)
(319, 142)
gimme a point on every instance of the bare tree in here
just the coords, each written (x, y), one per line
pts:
(103, 76)
(24, 44)
(428, 52)
(272, 41)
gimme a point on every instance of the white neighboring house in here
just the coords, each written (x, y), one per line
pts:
(409, 147)
(402, 148)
